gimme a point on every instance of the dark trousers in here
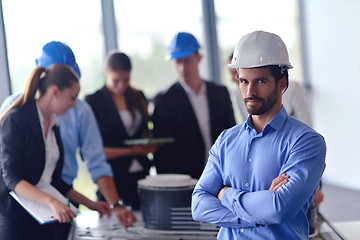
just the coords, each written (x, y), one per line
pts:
(61, 231)
(29, 229)
(24, 229)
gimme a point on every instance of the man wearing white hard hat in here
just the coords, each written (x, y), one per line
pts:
(192, 111)
(262, 174)
(294, 100)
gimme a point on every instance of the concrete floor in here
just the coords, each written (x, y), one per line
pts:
(340, 204)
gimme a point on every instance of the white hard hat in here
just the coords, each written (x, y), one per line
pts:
(259, 49)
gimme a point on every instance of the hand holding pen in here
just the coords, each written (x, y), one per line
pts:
(62, 212)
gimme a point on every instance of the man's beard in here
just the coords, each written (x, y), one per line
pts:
(266, 104)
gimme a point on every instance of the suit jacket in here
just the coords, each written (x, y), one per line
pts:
(112, 129)
(174, 117)
(113, 133)
(23, 156)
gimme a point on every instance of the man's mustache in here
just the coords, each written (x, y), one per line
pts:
(253, 98)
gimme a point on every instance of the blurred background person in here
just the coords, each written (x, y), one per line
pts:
(121, 113)
(193, 111)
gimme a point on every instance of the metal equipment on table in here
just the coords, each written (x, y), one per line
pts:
(166, 203)
(166, 215)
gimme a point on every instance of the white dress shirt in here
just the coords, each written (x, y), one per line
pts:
(52, 152)
(131, 125)
(200, 105)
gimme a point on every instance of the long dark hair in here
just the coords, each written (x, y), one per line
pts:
(119, 61)
(40, 79)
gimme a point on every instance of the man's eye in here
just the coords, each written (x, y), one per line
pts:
(242, 81)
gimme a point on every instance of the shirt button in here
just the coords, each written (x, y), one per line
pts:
(242, 230)
(247, 184)
(250, 160)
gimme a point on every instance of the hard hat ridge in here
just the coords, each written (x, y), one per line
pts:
(57, 53)
(182, 45)
(259, 49)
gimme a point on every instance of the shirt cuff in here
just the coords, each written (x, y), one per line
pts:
(228, 200)
(96, 176)
(101, 170)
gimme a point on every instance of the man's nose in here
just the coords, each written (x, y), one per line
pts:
(251, 89)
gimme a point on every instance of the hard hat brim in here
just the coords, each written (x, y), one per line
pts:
(288, 66)
(178, 55)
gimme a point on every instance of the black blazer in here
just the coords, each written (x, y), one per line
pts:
(112, 129)
(23, 156)
(174, 117)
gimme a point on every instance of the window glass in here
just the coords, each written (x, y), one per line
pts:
(76, 23)
(145, 29)
(34, 23)
(236, 18)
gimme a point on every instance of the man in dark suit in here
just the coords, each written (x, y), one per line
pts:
(193, 111)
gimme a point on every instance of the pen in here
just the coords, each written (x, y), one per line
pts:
(68, 203)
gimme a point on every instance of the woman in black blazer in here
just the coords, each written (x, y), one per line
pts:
(121, 113)
(32, 154)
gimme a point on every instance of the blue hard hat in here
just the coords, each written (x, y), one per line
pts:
(57, 53)
(182, 45)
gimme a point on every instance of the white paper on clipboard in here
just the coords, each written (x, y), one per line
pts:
(41, 212)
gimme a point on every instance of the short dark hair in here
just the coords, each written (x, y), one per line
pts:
(116, 61)
(278, 72)
(231, 56)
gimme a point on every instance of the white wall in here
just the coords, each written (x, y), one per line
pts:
(333, 34)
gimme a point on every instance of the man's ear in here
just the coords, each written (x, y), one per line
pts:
(199, 57)
(283, 83)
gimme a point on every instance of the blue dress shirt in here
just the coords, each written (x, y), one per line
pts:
(247, 162)
(78, 129)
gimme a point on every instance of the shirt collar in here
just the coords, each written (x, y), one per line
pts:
(276, 122)
(279, 119)
(189, 90)
(53, 119)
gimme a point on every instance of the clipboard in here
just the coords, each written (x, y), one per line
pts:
(41, 212)
(147, 141)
